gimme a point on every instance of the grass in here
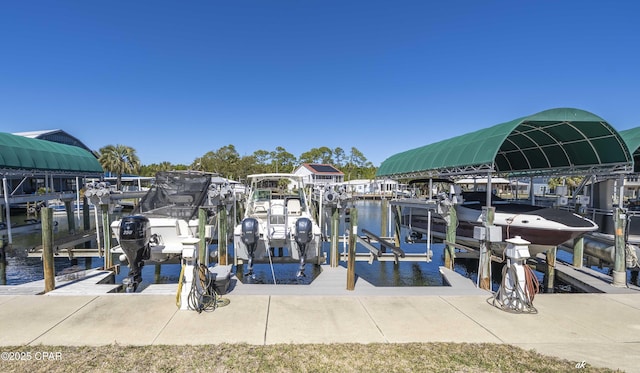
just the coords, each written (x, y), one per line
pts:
(376, 357)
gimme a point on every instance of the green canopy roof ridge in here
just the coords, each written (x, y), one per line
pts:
(563, 140)
(23, 153)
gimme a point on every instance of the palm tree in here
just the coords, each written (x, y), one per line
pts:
(119, 159)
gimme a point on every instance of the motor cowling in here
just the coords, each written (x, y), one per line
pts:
(135, 233)
(304, 231)
(250, 231)
(134, 238)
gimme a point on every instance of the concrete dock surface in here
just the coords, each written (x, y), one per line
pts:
(598, 329)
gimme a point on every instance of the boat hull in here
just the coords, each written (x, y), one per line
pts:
(544, 228)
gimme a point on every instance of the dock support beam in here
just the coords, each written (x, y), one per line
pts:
(46, 214)
(550, 277)
(335, 227)
(351, 260)
(619, 267)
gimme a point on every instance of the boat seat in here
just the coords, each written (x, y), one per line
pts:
(277, 214)
(293, 207)
(183, 228)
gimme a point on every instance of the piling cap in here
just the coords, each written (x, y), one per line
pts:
(517, 240)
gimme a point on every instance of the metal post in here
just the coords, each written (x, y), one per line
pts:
(78, 196)
(335, 226)
(46, 215)
(108, 260)
(351, 260)
(7, 209)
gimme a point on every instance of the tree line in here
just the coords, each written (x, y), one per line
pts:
(227, 162)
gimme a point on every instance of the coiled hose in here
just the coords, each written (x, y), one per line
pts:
(203, 295)
(511, 301)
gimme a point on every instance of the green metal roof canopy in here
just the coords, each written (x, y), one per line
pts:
(632, 139)
(23, 153)
(557, 141)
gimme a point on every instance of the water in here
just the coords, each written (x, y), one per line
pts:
(21, 269)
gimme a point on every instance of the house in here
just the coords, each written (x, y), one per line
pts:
(319, 174)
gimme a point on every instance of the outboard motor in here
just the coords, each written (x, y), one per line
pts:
(135, 234)
(250, 234)
(303, 235)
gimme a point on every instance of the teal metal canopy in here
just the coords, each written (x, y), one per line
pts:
(23, 153)
(632, 139)
(557, 141)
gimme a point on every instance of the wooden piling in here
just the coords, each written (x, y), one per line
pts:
(202, 247)
(619, 266)
(384, 217)
(351, 260)
(450, 250)
(222, 235)
(156, 273)
(335, 227)
(484, 271)
(578, 252)
(46, 214)
(71, 221)
(86, 219)
(397, 217)
(550, 277)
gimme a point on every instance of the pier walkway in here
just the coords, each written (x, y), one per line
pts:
(598, 329)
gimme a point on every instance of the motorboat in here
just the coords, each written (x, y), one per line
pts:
(277, 223)
(166, 218)
(544, 227)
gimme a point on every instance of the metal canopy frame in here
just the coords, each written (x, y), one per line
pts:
(561, 141)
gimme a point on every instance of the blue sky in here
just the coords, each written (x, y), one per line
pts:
(176, 79)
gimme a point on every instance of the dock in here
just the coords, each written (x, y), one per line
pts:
(586, 279)
(603, 332)
(68, 246)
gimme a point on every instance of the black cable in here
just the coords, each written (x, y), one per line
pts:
(203, 296)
